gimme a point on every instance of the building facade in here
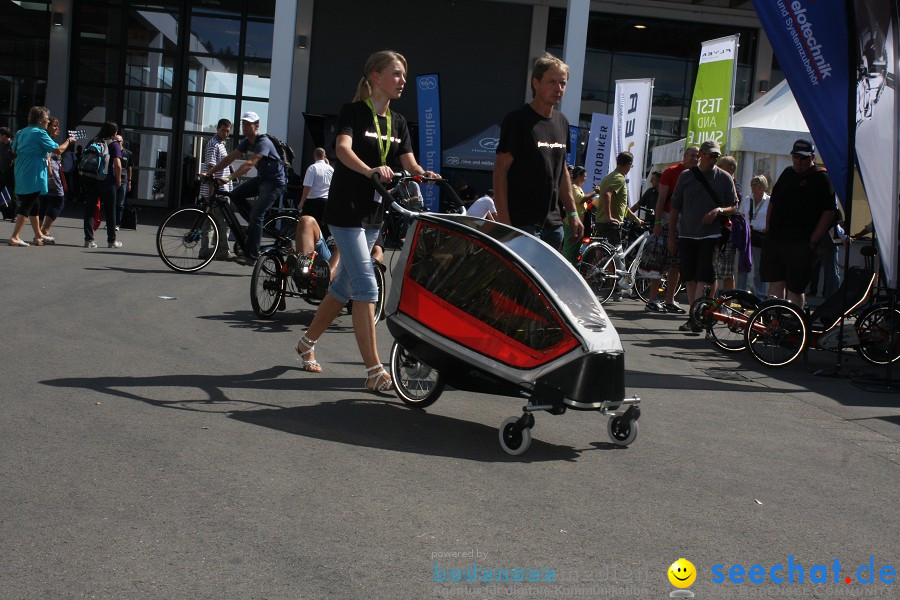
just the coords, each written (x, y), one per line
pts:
(168, 70)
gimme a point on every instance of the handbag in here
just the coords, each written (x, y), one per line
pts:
(724, 220)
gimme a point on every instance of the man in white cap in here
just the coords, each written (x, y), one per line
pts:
(702, 195)
(268, 186)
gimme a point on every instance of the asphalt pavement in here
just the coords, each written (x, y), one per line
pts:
(160, 441)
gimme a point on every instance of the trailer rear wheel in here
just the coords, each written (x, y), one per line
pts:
(417, 384)
(514, 439)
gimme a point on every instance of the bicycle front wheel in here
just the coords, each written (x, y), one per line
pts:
(267, 285)
(187, 240)
(879, 335)
(776, 334)
(728, 321)
(599, 270)
(282, 226)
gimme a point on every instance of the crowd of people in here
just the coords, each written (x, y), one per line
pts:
(703, 226)
(38, 176)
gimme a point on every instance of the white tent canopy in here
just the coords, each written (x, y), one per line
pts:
(762, 135)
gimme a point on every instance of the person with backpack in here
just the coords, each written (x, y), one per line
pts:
(32, 146)
(268, 186)
(101, 171)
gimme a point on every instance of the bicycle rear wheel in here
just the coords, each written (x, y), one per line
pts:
(267, 285)
(730, 318)
(599, 270)
(187, 240)
(776, 333)
(379, 278)
(879, 335)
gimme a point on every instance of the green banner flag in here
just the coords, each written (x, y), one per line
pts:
(711, 105)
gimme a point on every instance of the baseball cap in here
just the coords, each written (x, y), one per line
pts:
(710, 146)
(250, 117)
(803, 147)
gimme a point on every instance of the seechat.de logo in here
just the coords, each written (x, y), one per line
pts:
(428, 83)
(489, 143)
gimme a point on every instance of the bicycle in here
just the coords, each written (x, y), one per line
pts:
(596, 263)
(280, 274)
(189, 239)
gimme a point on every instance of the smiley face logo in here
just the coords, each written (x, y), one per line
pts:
(682, 573)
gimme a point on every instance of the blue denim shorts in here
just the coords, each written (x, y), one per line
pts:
(355, 278)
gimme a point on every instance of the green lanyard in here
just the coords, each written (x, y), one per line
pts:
(383, 145)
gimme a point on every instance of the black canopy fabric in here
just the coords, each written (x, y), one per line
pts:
(477, 152)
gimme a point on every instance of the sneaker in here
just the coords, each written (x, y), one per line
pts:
(90, 244)
(617, 297)
(245, 260)
(674, 307)
(117, 227)
(655, 306)
(116, 244)
(690, 326)
(227, 256)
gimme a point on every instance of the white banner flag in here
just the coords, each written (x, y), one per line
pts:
(597, 160)
(631, 126)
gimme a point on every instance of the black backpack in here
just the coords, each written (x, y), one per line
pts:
(285, 152)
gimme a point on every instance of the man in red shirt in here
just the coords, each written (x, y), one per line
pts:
(661, 228)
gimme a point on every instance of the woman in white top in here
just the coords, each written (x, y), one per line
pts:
(755, 208)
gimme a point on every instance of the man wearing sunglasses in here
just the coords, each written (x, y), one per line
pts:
(801, 210)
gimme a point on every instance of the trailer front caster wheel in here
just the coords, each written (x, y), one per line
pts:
(622, 431)
(513, 440)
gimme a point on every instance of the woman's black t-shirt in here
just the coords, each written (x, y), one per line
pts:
(351, 200)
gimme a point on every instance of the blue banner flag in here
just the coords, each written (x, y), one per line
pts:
(429, 96)
(810, 39)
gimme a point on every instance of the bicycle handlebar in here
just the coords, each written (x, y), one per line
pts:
(404, 176)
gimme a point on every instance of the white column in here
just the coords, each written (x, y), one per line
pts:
(284, 52)
(540, 17)
(57, 98)
(577, 15)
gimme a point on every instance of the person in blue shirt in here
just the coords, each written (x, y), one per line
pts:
(268, 186)
(32, 146)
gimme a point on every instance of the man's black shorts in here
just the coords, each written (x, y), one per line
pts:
(790, 262)
(697, 259)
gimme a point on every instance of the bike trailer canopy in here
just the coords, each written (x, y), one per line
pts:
(498, 292)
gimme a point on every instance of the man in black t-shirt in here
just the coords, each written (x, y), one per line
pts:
(800, 213)
(530, 175)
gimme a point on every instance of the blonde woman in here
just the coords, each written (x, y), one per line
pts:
(371, 140)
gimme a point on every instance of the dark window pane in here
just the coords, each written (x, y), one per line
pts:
(212, 75)
(149, 69)
(98, 65)
(215, 36)
(158, 4)
(24, 57)
(17, 96)
(220, 7)
(261, 8)
(259, 40)
(94, 104)
(153, 30)
(99, 22)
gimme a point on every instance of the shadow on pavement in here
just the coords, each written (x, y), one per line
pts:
(368, 422)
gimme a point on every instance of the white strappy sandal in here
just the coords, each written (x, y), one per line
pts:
(313, 365)
(377, 380)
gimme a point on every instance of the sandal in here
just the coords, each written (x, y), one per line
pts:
(38, 241)
(380, 380)
(313, 365)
